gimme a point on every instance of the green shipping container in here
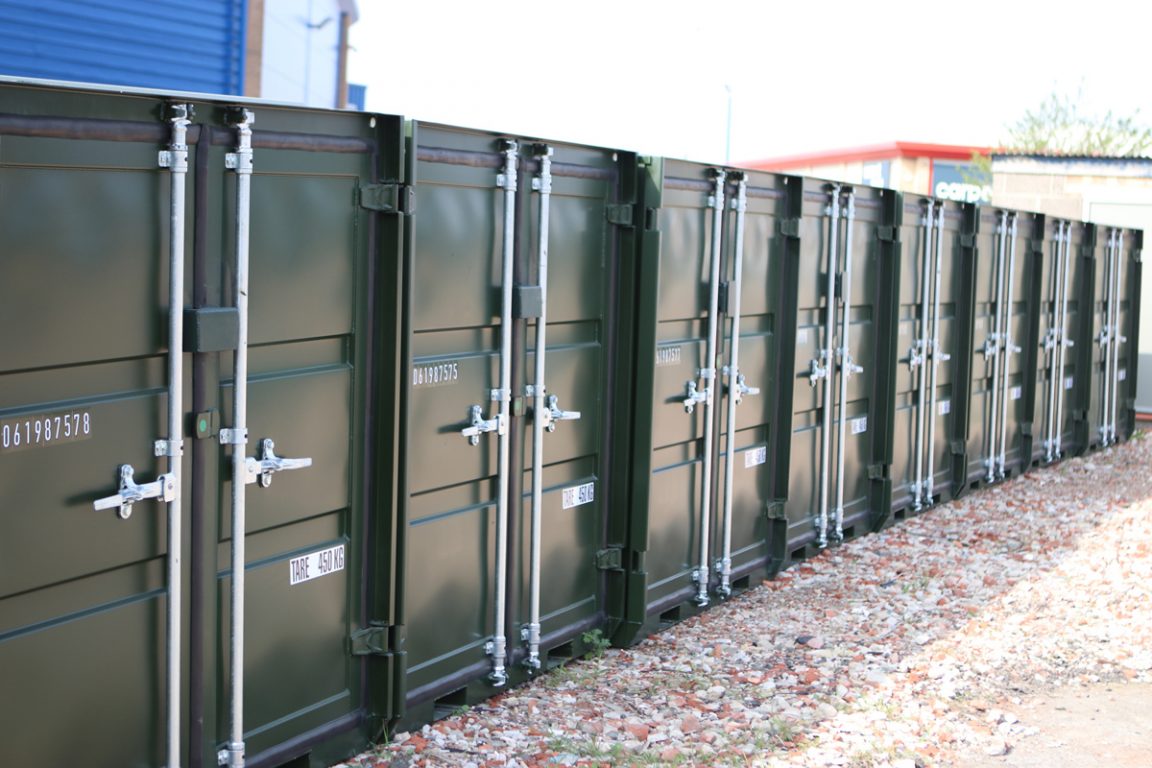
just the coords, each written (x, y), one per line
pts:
(512, 261)
(90, 191)
(1009, 248)
(1114, 268)
(839, 485)
(933, 344)
(1062, 383)
(714, 291)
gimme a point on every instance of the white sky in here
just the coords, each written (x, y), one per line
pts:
(804, 76)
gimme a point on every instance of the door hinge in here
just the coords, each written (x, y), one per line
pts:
(375, 640)
(388, 198)
(651, 219)
(877, 471)
(967, 239)
(886, 233)
(790, 227)
(1026, 428)
(611, 559)
(620, 214)
(958, 447)
(774, 509)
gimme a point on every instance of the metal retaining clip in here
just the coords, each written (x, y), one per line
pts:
(162, 488)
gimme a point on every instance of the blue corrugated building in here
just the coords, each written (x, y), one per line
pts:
(287, 50)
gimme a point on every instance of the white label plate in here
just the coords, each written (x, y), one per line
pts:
(1068, 383)
(860, 425)
(1122, 374)
(1016, 392)
(755, 456)
(578, 495)
(315, 564)
(945, 406)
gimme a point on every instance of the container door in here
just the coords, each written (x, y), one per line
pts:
(1002, 364)
(1058, 272)
(841, 440)
(568, 258)
(311, 223)
(84, 308)
(760, 275)
(680, 270)
(485, 606)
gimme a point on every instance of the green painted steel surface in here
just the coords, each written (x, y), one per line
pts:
(1074, 386)
(82, 593)
(1096, 256)
(951, 390)
(1021, 378)
(868, 442)
(450, 507)
(672, 288)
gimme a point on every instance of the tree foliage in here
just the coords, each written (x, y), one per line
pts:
(1060, 126)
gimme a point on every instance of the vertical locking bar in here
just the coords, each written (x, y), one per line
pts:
(179, 116)
(1052, 344)
(995, 347)
(920, 350)
(1117, 337)
(734, 380)
(829, 359)
(242, 119)
(1064, 341)
(708, 373)
(499, 674)
(846, 366)
(937, 357)
(1106, 335)
(544, 183)
(1007, 347)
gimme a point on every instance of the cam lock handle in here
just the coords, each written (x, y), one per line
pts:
(480, 425)
(553, 414)
(261, 470)
(162, 488)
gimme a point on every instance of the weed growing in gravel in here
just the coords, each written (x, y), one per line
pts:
(597, 643)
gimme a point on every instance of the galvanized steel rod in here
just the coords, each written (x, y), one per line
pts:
(1008, 348)
(1117, 338)
(847, 368)
(499, 675)
(937, 356)
(544, 182)
(178, 169)
(735, 383)
(1052, 344)
(1063, 340)
(1106, 335)
(920, 353)
(827, 354)
(243, 162)
(993, 432)
(708, 373)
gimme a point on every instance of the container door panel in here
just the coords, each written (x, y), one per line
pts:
(307, 392)
(83, 317)
(454, 310)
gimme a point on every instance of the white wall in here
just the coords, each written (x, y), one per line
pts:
(301, 51)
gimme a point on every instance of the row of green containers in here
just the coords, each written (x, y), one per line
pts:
(368, 317)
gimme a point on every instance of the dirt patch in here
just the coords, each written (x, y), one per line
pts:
(1094, 725)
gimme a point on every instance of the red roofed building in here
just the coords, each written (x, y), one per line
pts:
(943, 170)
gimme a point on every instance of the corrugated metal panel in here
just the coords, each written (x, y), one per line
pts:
(165, 44)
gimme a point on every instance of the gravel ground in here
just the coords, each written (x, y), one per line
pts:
(920, 646)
